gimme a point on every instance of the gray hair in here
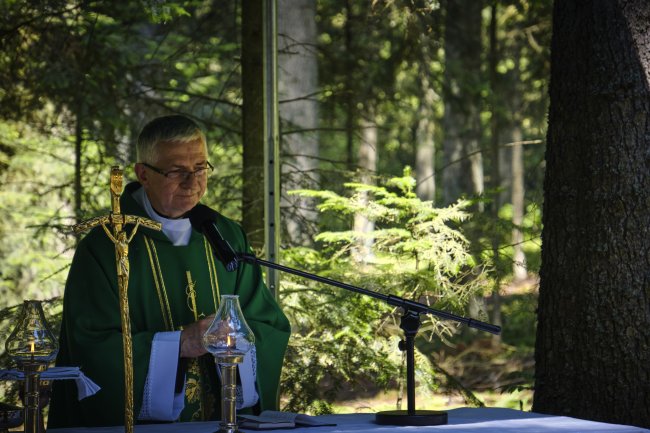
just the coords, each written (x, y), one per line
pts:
(165, 129)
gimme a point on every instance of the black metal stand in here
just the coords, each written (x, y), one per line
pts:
(410, 323)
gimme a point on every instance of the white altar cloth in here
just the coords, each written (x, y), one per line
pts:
(462, 420)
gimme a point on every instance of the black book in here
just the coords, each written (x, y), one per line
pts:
(272, 419)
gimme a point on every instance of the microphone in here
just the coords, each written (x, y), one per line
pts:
(203, 219)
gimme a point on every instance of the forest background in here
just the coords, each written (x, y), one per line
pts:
(412, 156)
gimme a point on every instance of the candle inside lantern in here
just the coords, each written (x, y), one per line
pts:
(230, 342)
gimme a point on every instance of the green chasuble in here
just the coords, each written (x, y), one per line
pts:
(169, 287)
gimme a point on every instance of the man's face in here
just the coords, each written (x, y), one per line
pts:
(173, 198)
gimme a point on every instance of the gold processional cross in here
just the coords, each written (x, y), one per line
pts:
(119, 237)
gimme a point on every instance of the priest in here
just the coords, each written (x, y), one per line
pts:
(175, 284)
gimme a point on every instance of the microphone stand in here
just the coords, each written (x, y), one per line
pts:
(409, 323)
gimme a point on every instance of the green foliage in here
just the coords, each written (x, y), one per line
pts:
(161, 11)
(520, 323)
(370, 55)
(36, 207)
(99, 72)
(531, 229)
(345, 341)
(488, 233)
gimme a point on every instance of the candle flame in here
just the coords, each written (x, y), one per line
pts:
(230, 341)
(31, 346)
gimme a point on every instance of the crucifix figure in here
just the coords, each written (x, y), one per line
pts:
(121, 240)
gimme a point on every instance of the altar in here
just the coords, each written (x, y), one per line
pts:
(461, 420)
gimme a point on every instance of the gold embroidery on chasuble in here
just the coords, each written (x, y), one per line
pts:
(201, 372)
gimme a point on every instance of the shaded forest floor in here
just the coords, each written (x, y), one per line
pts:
(495, 372)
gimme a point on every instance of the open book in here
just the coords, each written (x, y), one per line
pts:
(272, 419)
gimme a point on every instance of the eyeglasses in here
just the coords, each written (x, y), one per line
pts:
(182, 175)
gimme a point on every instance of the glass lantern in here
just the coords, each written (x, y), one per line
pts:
(229, 333)
(228, 338)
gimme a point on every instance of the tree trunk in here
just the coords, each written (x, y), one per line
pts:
(462, 128)
(297, 88)
(495, 171)
(512, 166)
(78, 184)
(253, 123)
(519, 267)
(593, 334)
(349, 92)
(368, 169)
(424, 144)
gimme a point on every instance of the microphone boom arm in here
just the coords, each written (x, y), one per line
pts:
(405, 304)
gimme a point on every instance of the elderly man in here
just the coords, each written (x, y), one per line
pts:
(175, 286)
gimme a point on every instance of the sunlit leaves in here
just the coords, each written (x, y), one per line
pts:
(35, 199)
(341, 339)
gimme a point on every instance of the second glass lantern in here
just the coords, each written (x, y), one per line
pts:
(32, 341)
(32, 345)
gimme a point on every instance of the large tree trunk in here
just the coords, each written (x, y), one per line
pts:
(253, 122)
(462, 128)
(593, 336)
(297, 88)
